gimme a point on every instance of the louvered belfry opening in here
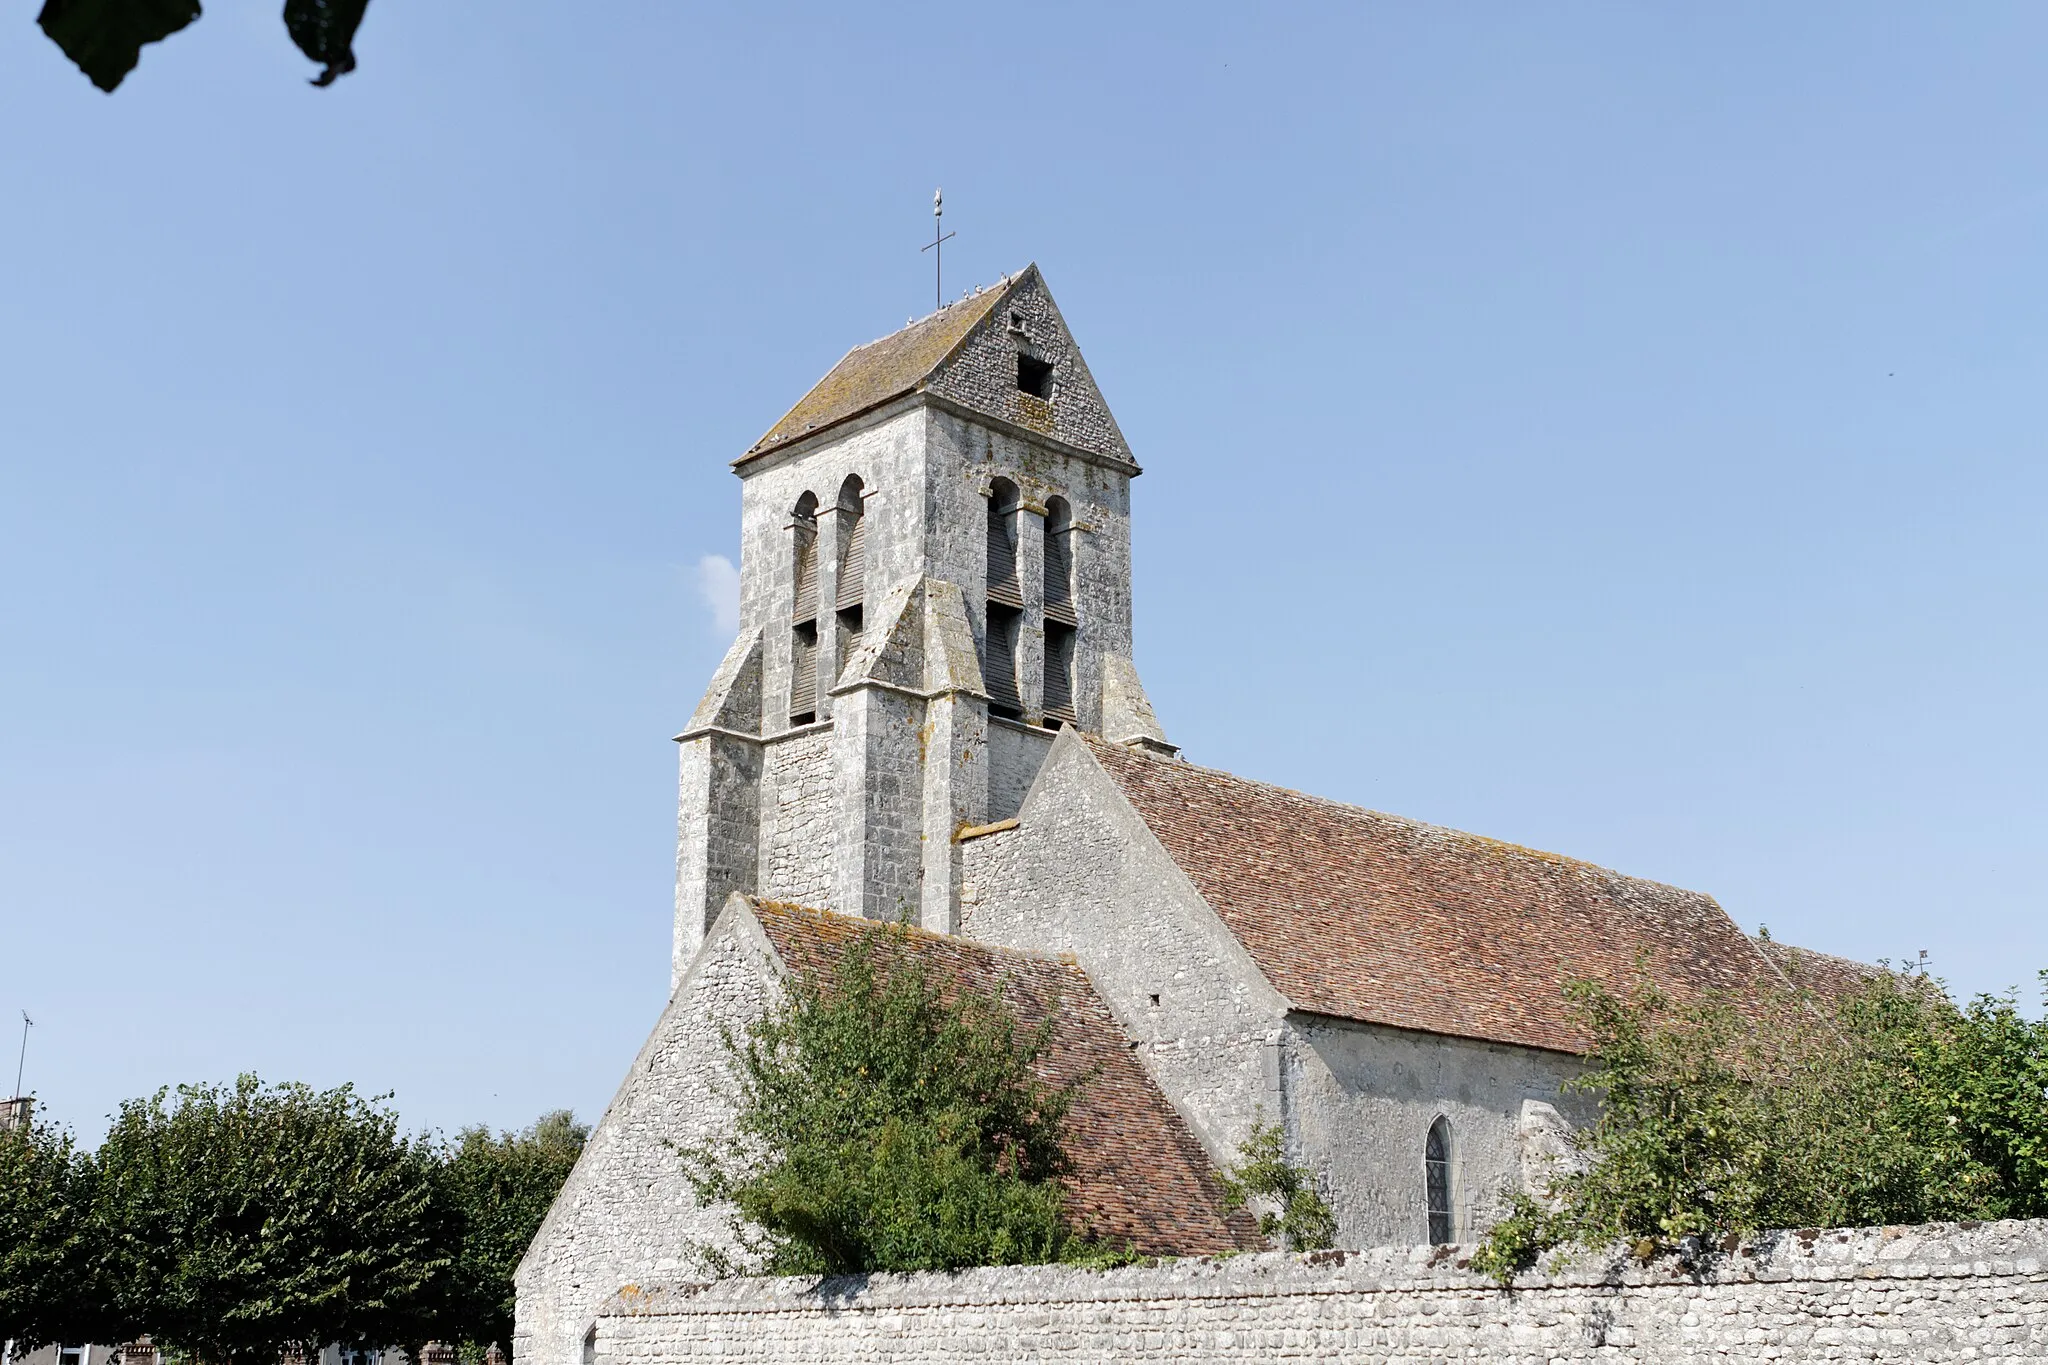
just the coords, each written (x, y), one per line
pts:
(851, 596)
(1005, 603)
(1061, 622)
(1059, 673)
(1436, 1181)
(803, 616)
(1000, 670)
(1002, 544)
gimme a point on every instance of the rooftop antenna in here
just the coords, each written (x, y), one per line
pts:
(22, 1060)
(937, 246)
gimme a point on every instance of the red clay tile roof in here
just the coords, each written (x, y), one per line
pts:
(1365, 916)
(869, 376)
(1825, 975)
(1138, 1175)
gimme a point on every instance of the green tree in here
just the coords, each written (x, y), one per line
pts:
(1990, 1067)
(52, 1281)
(249, 1220)
(499, 1189)
(1887, 1104)
(106, 37)
(1287, 1198)
(889, 1119)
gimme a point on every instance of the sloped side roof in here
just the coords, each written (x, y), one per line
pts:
(1138, 1174)
(1372, 917)
(869, 376)
(1827, 976)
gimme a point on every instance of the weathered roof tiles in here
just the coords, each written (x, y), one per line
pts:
(871, 375)
(1364, 916)
(1138, 1176)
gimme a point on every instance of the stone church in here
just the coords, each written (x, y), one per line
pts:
(932, 713)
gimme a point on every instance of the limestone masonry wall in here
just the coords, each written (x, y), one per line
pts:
(1928, 1295)
(798, 828)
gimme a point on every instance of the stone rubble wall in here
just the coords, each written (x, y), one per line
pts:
(799, 832)
(1928, 1295)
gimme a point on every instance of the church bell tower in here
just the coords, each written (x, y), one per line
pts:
(935, 576)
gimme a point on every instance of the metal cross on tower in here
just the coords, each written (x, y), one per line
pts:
(22, 1060)
(937, 246)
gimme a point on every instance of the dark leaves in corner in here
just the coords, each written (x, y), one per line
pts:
(105, 37)
(325, 31)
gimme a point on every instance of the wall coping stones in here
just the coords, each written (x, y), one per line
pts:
(2010, 1249)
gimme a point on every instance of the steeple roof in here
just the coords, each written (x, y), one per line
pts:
(965, 356)
(871, 375)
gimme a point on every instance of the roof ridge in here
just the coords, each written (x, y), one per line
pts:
(1804, 951)
(1484, 841)
(1003, 281)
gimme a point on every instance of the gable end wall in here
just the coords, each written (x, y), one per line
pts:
(626, 1215)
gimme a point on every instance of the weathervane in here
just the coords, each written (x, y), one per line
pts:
(937, 246)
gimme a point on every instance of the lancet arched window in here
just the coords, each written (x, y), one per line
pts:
(803, 615)
(1005, 602)
(1061, 624)
(851, 596)
(1436, 1182)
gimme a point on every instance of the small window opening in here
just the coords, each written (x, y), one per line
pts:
(1155, 998)
(1016, 322)
(1436, 1180)
(1034, 376)
(590, 1347)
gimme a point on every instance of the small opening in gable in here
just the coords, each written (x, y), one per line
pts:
(1034, 377)
(1155, 998)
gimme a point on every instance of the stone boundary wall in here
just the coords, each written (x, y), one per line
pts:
(1931, 1294)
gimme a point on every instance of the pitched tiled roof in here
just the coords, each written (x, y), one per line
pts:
(1825, 975)
(1371, 917)
(1138, 1175)
(871, 375)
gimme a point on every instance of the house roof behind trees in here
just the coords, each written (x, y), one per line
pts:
(1364, 916)
(1138, 1176)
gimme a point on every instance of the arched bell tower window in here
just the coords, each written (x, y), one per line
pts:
(1436, 1182)
(1005, 603)
(851, 596)
(1061, 624)
(803, 616)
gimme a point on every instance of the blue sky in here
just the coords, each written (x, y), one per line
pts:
(1616, 429)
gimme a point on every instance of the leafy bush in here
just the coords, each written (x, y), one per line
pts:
(1286, 1198)
(889, 1119)
(1889, 1104)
